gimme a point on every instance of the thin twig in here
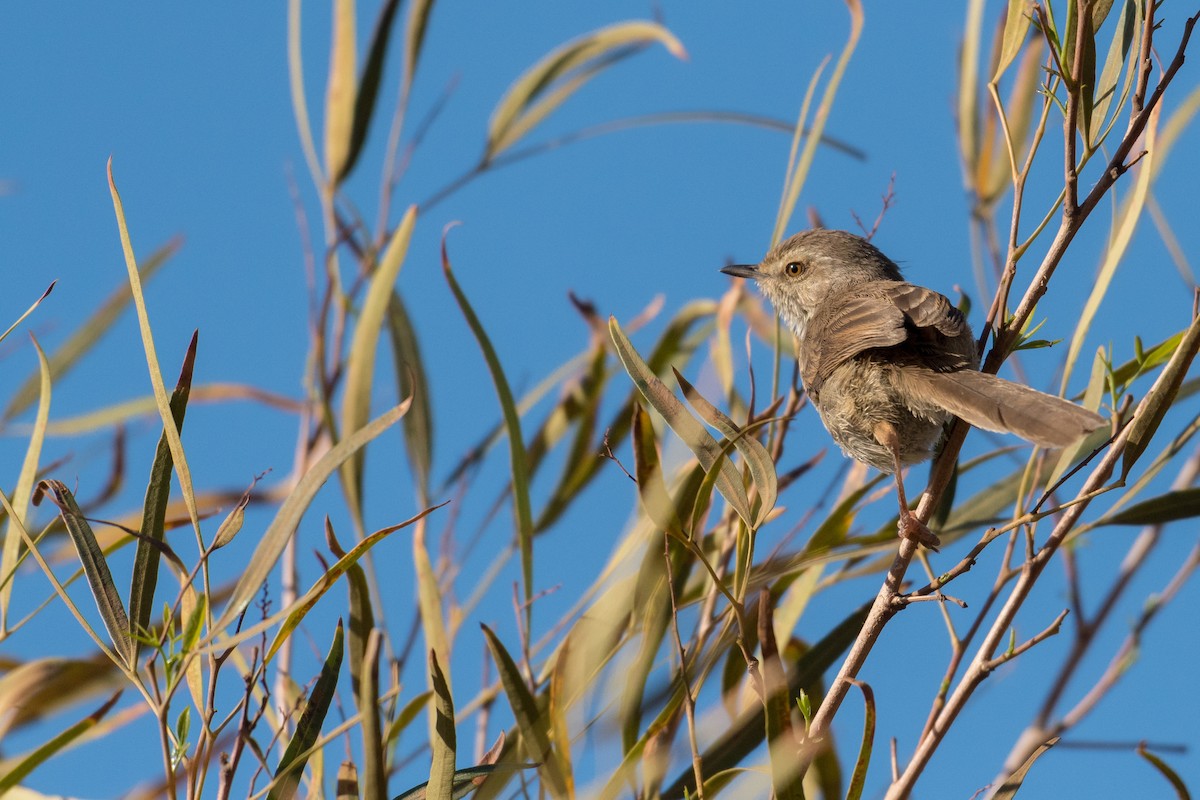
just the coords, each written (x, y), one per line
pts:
(689, 700)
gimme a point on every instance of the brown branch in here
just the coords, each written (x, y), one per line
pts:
(1028, 575)
(1051, 630)
(1075, 89)
(1085, 637)
(1145, 65)
(1071, 224)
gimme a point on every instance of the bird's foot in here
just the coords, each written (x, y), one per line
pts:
(910, 527)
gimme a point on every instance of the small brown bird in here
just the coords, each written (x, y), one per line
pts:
(887, 363)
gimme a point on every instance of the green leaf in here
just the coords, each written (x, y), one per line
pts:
(465, 780)
(550, 82)
(1087, 75)
(410, 375)
(762, 467)
(362, 615)
(744, 734)
(445, 742)
(1016, 27)
(21, 494)
(698, 440)
(516, 443)
(161, 401)
(1181, 790)
(1169, 507)
(90, 333)
(95, 568)
(1012, 783)
(533, 724)
(368, 85)
(269, 548)
(366, 696)
(858, 779)
(341, 92)
(1146, 360)
(308, 729)
(360, 364)
(652, 489)
(1110, 75)
(53, 746)
(407, 714)
(1154, 406)
(154, 506)
(327, 580)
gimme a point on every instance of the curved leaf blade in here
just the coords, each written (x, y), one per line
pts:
(707, 451)
(549, 83)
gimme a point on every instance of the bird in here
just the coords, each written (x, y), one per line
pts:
(887, 363)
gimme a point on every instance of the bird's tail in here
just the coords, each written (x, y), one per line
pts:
(995, 404)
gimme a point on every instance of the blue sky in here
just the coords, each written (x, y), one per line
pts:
(192, 104)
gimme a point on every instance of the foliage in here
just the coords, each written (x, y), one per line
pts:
(689, 619)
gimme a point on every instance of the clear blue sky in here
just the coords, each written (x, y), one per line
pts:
(192, 103)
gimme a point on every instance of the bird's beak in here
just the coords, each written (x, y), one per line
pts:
(741, 270)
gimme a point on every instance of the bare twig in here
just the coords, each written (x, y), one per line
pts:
(1051, 630)
(689, 700)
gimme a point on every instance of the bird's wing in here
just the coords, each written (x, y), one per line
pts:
(915, 322)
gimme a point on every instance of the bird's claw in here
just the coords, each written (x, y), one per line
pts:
(910, 527)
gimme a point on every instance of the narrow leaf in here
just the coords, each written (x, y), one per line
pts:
(414, 39)
(1016, 27)
(91, 332)
(858, 778)
(1154, 406)
(161, 401)
(1110, 75)
(698, 440)
(465, 781)
(308, 729)
(1181, 790)
(445, 741)
(762, 468)
(296, 90)
(154, 506)
(652, 489)
(1123, 228)
(33, 379)
(368, 85)
(329, 578)
(21, 494)
(550, 82)
(95, 568)
(968, 86)
(53, 746)
(512, 423)
(1012, 783)
(407, 714)
(367, 698)
(341, 92)
(1169, 507)
(262, 561)
(410, 373)
(533, 724)
(360, 364)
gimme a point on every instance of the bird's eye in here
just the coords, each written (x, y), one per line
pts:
(794, 268)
